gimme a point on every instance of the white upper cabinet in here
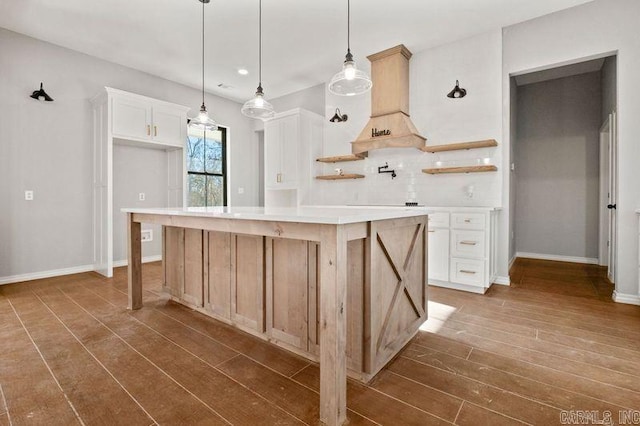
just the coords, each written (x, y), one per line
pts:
(149, 121)
(131, 118)
(281, 148)
(292, 142)
(168, 124)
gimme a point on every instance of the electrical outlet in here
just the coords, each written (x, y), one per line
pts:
(146, 235)
(141, 196)
(28, 195)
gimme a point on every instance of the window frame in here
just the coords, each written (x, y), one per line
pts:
(224, 174)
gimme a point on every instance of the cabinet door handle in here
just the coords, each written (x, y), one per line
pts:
(468, 243)
(155, 130)
(148, 130)
(465, 271)
(431, 230)
(279, 177)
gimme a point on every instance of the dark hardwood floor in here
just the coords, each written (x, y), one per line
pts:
(70, 353)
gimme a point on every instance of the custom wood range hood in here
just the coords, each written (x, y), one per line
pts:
(390, 125)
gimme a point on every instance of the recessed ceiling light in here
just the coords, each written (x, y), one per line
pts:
(243, 71)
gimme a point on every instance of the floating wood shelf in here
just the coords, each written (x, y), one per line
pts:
(470, 169)
(343, 158)
(460, 146)
(337, 177)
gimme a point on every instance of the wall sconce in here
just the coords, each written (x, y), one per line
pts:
(41, 95)
(457, 92)
(338, 117)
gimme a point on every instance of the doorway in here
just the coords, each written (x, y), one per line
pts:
(564, 168)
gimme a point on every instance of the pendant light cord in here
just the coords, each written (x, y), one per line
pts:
(260, 45)
(203, 53)
(349, 26)
(349, 56)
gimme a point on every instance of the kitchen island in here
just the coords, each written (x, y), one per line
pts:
(343, 286)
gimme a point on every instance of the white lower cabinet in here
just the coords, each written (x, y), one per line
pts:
(462, 248)
(439, 254)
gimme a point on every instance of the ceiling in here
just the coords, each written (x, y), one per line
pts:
(304, 41)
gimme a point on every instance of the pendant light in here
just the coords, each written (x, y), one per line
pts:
(258, 107)
(350, 81)
(203, 121)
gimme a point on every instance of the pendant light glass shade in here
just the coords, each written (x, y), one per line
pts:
(202, 121)
(258, 107)
(350, 81)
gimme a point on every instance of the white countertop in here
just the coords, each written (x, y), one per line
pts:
(325, 214)
(469, 209)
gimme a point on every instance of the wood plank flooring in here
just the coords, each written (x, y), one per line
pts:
(72, 354)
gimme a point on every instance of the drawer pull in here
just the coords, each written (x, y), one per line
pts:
(155, 130)
(468, 243)
(467, 221)
(431, 230)
(464, 271)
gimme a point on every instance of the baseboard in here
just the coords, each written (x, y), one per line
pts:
(454, 286)
(502, 280)
(513, 259)
(573, 259)
(45, 274)
(146, 259)
(630, 299)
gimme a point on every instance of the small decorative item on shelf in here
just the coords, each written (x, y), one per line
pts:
(457, 92)
(339, 171)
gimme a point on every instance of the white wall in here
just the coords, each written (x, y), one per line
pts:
(557, 164)
(594, 29)
(46, 147)
(137, 170)
(476, 62)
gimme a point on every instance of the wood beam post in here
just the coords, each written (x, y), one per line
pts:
(134, 257)
(333, 325)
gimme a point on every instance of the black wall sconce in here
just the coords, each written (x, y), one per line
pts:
(41, 95)
(339, 117)
(457, 92)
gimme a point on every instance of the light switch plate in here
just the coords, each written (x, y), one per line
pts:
(28, 195)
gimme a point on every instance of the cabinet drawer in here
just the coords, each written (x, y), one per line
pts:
(439, 220)
(467, 244)
(467, 271)
(468, 221)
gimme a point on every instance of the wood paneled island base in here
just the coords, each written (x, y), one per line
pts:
(342, 286)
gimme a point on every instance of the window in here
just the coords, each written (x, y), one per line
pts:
(207, 168)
